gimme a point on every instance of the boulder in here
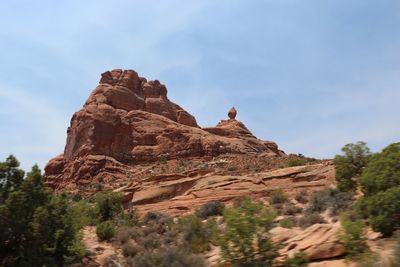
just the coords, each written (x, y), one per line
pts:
(319, 242)
(232, 113)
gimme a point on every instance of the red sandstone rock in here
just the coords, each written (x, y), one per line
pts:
(128, 119)
(232, 113)
(318, 242)
(181, 193)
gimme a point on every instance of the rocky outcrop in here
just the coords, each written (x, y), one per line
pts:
(232, 113)
(128, 120)
(318, 242)
(181, 193)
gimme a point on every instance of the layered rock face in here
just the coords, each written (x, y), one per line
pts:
(128, 120)
(179, 193)
(130, 138)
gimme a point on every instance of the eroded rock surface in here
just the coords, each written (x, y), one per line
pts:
(319, 241)
(181, 193)
(127, 120)
(232, 113)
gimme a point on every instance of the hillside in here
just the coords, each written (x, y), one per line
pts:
(129, 138)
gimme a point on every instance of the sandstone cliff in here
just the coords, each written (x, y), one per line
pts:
(128, 120)
(130, 138)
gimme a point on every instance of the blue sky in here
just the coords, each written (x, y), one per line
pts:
(310, 75)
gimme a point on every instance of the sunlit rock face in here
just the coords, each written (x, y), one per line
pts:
(127, 120)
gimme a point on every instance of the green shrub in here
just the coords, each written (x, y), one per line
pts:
(169, 258)
(151, 241)
(289, 222)
(309, 219)
(353, 237)
(302, 197)
(211, 208)
(278, 208)
(80, 213)
(37, 228)
(350, 165)
(292, 162)
(172, 237)
(77, 248)
(196, 234)
(232, 168)
(382, 171)
(108, 205)
(11, 177)
(383, 211)
(298, 260)
(359, 210)
(130, 249)
(332, 199)
(125, 233)
(129, 218)
(246, 241)
(291, 209)
(152, 227)
(157, 217)
(277, 197)
(380, 181)
(122, 235)
(105, 230)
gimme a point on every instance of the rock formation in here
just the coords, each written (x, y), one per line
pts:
(128, 120)
(179, 193)
(130, 138)
(232, 113)
(319, 241)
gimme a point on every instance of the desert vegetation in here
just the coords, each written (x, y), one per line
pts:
(37, 228)
(43, 229)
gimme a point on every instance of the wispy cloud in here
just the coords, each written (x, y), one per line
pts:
(32, 128)
(311, 75)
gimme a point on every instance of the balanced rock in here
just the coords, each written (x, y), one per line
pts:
(232, 113)
(128, 120)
